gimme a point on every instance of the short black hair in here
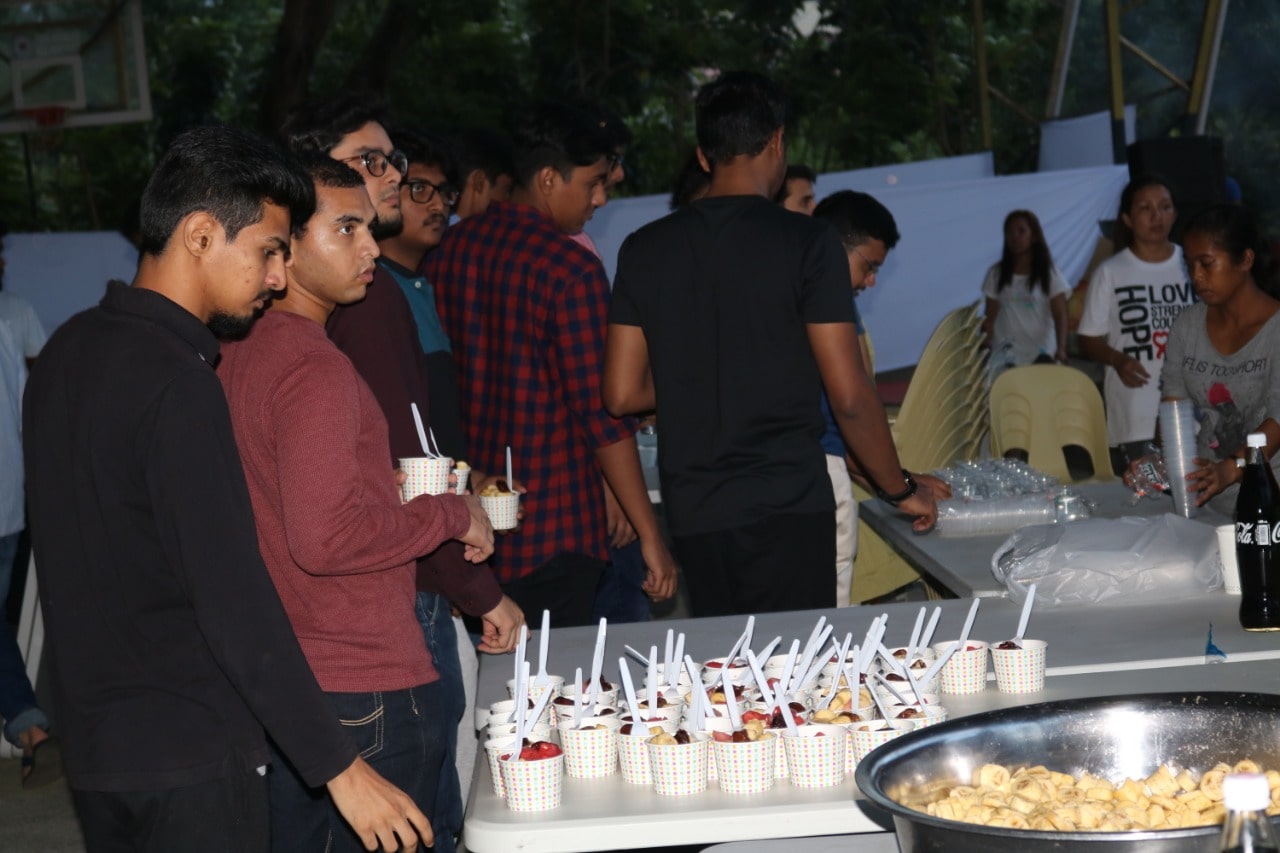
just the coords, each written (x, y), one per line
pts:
(429, 149)
(857, 218)
(485, 149)
(324, 171)
(795, 171)
(227, 172)
(318, 127)
(736, 114)
(558, 136)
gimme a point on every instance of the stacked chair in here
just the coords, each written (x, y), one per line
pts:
(943, 419)
(1048, 411)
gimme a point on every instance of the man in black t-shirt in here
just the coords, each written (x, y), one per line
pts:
(729, 316)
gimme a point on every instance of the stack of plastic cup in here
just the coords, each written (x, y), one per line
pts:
(1178, 445)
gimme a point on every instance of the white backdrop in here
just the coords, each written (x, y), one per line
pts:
(948, 211)
(950, 215)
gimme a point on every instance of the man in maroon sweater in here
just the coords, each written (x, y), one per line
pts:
(340, 545)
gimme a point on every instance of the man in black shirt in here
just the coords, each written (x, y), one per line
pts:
(729, 316)
(172, 651)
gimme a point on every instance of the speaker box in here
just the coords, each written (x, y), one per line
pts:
(1192, 166)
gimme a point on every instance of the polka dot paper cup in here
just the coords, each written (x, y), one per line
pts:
(680, 769)
(867, 736)
(815, 755)
(633, 758)
(1020, 670)
(494, 749)
(966, 672)
(533, 786)
(746, 768)
(425, 476)
(533, 691)
(501, 509)
(591, 750)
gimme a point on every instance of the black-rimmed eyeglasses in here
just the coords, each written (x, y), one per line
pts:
(375, 162)
(423, 191)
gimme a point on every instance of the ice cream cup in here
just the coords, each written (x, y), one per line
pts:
(815, 755)
(633, 756)
(502, 713)
(737, 673)
(723, 725)
(603, 697)
(867, 736)
(540, 731)
(922, 716)
(966, 671)
(494, 749)
(533, 786)
(680, 769)
(501, 509)
(1020, 670)
(590, 753)
(554, 683)
(746, 768)
(675, 699)
(461, 475)
(425, 475)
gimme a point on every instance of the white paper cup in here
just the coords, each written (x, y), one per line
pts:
(503, 712)
(494, 749)
(738, 673)
(533, 691)
(633, 757)
(603, 697)
(425, 475)
(590, 753)
(1227, 558)
(867, 736)
(680, 769)
(966, 672)
(746, 768)
(815, 755)
(1020, 670)
(927, 715)
(533, 786)
(540, 731)
(462, 475)
(501, 509)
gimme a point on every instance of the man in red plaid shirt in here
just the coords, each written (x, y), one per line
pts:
(526, 308)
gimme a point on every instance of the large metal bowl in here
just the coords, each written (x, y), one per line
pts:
(1115, 738)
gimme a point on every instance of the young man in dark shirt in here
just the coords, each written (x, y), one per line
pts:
(729, 316)
(172, 649)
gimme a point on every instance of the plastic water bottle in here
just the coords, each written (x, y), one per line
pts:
(1247, 828)
(1258, 541)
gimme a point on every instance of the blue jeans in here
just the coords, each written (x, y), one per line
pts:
(620, 597)
(391, 732)
(442, 641)
(17, 700)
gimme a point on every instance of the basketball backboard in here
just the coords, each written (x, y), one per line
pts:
(81, 62)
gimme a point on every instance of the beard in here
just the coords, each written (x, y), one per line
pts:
(383, 227)
(228, 327)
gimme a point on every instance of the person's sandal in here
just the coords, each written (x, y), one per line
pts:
(42, 765)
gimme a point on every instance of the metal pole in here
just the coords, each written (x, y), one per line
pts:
(980, 54)
(1117, 80)
(1215, 17)
(1062, 59)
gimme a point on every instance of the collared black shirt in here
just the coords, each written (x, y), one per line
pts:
(171, 650)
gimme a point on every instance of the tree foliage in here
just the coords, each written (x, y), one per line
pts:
(872, 82)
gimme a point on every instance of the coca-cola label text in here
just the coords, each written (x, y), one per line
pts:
(1257, 533)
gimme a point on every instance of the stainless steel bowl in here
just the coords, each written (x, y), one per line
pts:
(1115, 738)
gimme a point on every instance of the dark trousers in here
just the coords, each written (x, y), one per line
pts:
(621, 596)
(779, 563)
(226, 815)
(566, 585)
(442, 641)
(391, 733)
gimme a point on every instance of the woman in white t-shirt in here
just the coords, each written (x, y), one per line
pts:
(1132, 301)
(1026, 308)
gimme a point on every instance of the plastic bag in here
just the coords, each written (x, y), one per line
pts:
(1102, 560)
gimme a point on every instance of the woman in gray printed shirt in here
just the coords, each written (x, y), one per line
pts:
(1221, 350)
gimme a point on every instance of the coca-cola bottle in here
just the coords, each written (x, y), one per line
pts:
(1258, 541)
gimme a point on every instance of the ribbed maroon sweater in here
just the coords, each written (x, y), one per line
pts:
(340, 546)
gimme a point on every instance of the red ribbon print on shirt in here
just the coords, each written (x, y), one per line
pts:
(1160, 339)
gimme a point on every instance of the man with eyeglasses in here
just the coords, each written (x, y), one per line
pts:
(380, 336)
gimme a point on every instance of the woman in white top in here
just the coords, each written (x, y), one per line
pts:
(1132, 301)
(1026, 308)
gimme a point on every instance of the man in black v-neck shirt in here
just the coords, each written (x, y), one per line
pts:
(171, 649)
(729, 316)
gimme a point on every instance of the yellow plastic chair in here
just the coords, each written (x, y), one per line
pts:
(1043, 408)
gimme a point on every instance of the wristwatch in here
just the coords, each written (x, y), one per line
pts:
(1240, 461)
(894, 500)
